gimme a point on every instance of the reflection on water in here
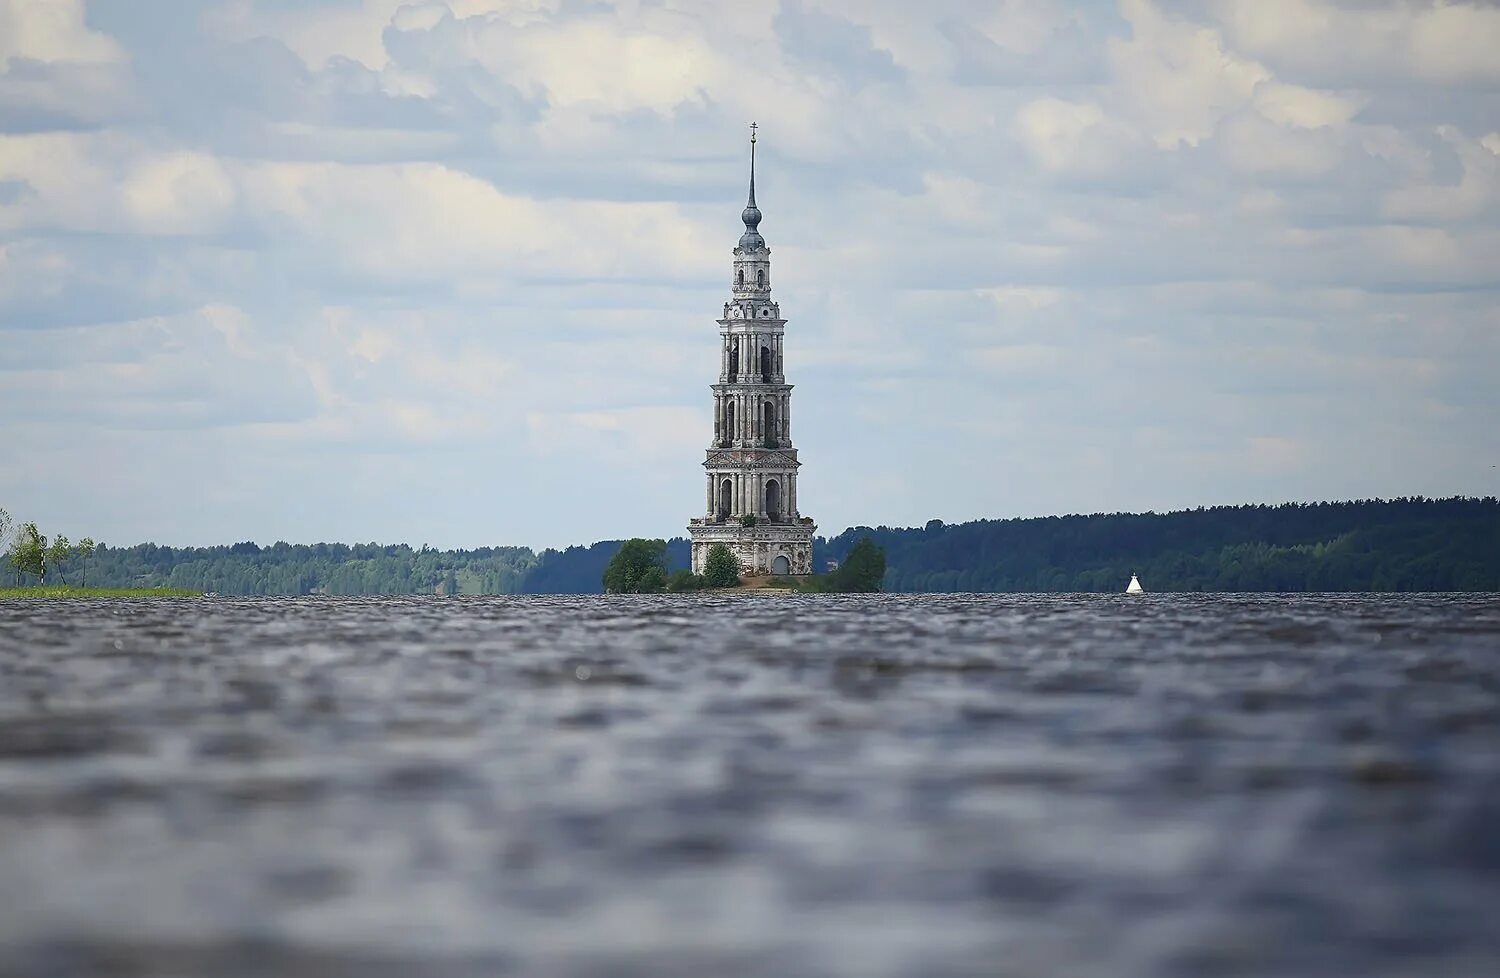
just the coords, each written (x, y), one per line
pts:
(937, 785)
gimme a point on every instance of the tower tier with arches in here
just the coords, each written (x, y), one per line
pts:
(751, 468)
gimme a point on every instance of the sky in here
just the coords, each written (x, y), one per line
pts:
(447, 271)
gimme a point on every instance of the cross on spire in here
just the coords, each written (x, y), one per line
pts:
(751, 202)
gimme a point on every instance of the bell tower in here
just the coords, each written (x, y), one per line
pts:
(751, 486)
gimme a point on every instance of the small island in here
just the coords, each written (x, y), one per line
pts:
(70, 591)
(31, 553)
(640, 567)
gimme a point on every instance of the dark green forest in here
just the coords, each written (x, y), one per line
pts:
(1410, 544)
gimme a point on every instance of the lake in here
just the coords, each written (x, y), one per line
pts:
(1033, 785)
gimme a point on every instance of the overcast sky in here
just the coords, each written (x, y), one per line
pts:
(447, 272)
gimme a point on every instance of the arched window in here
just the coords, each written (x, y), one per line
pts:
(734, 361)
(729, 421)
(768, 428)
(781, 566)
(760, 278)
(739, 278)
(773, 499)
(765, 365)
(726, 493)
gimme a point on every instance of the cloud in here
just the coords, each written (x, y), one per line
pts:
(1062, 256)
(1440, 43)
(427, 223)
(53, 30)
(1024, 44)
(1079, 139)
(832, 44)
(55, 73)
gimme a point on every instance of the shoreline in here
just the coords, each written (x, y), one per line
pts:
(54, 591)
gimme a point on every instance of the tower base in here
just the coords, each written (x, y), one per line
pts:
(765, 548)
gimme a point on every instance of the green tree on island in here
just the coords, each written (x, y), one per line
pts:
(85, 549)
(722, 568)
(29, 554)
(10, 552)
(862, 571)
(685, 580)
(58, 552)
(638, 567)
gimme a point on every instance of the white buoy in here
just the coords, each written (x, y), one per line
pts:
(1134, 587)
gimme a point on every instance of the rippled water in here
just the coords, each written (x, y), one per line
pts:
(752, 785)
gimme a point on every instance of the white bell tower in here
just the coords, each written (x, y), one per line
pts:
(751, 489)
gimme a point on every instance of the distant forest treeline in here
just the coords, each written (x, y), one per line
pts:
(1374, 545)
(1411, 544)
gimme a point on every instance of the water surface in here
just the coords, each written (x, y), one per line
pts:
(751, 785)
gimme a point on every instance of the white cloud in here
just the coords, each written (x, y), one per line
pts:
(1068, 257)
(1447, 43)
(179, 193)
(52, 30)
(1076, 138)
(1253, 144)
(1303, 108)
(425, 222)
(1176, 77)
(656, 435)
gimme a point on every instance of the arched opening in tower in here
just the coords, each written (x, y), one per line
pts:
(726, 494)
(768, 428)
(765, 365)
(773, 499)
(734, 361)
(728, 423)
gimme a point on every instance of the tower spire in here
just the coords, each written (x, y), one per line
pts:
(753, 127)
(751, 239)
